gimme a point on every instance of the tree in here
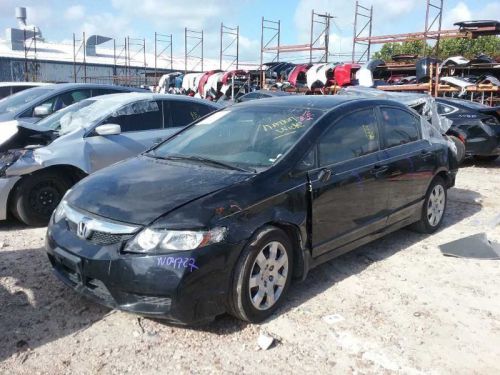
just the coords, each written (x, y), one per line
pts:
(469, 48)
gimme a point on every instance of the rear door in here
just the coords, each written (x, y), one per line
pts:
(142, 124)
(184, 112)
(349, 192)
(411, 161)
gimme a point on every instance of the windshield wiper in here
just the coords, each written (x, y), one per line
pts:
(204, 160)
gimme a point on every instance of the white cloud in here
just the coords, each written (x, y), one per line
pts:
(459, 12)
(74, 13)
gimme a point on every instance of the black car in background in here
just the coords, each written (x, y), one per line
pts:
(33, 104)
(478, 125)
(222, 215)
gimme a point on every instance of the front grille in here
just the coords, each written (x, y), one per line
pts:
(99, 238)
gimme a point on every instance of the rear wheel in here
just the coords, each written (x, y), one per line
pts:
(486, 159)
(262, 276)
(37, 195)
(434, 207)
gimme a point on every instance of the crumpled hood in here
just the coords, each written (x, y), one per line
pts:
(142, 189)
(17, 134)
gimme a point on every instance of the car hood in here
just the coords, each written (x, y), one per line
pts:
(142, 189)
(16, 134)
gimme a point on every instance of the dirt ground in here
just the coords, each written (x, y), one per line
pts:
(394, 306)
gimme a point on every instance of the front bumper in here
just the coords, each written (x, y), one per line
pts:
(188, 287)
(6, 185)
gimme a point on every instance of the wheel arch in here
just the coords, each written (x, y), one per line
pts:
(301, 256)
(73, 173)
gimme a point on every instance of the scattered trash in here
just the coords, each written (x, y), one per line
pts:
(333, 319)
(264, 341)
(476, 246)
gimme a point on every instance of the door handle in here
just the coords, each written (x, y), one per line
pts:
(379, 170)
(325, 175)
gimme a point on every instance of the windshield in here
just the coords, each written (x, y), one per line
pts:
(248, 138)
(53, 122)
(16, 101)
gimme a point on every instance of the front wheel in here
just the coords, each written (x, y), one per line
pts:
(262, 276)
(36, 197)
(434, 207)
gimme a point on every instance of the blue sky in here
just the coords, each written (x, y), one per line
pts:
(58, 19)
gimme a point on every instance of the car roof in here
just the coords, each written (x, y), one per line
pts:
(271, 93)
(461, 103)
(133, 96)
(15, 84)
(321, 102)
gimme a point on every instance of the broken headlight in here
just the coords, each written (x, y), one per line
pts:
(10, 157)
(151, 240)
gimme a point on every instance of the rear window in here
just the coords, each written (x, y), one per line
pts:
(399, 127)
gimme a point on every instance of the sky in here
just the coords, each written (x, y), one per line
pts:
(59, 19)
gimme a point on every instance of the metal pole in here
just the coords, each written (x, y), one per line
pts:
(220, 55)
(439, 29)
(74, 57)
(370, 33)
(84, 45)
(261, 53)
(312, 37)
(279, 37)
(114, 60)
(237, 46)
(171, 54)
(327, 36)
(354, 36)
(156, 58)
(185, 50)
(426, 26)
(34, 59)
(202, 50)
(145, 69)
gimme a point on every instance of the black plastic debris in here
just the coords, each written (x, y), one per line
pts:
(476, 246)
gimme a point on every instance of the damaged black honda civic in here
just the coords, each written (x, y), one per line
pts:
(222, 215)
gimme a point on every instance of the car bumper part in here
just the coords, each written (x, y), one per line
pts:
(6, 185)
(187, 287)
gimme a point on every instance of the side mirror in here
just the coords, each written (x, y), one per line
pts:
(108, 129)
(42, 111)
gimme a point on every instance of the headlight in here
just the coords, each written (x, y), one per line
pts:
(161, 240)
(60, 212)
(8, 158)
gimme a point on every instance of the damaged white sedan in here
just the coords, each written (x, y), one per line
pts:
(39, 163)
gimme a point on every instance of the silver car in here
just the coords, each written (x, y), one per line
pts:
(39, 163)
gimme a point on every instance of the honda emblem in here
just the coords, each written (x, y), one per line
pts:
(82, 230)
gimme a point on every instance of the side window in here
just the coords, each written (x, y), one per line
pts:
(98, 92)
(16, 89)
(139, 116)
(65, 99)
(354, 135)
(444, 109)
(399, 127)
(184, 113)
(4, 92)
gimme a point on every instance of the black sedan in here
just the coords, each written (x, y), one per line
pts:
(478, 124)
(221, 216)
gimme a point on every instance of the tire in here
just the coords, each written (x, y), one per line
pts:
(434, 207)
(36, 197)
(460, 148)
(254, 304)
(486, 159)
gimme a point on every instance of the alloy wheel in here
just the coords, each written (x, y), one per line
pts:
(435, 205)
(268, 275)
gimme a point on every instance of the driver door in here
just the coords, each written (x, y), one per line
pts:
(141, 125)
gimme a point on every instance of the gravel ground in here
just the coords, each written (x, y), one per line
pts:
(394, 306)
